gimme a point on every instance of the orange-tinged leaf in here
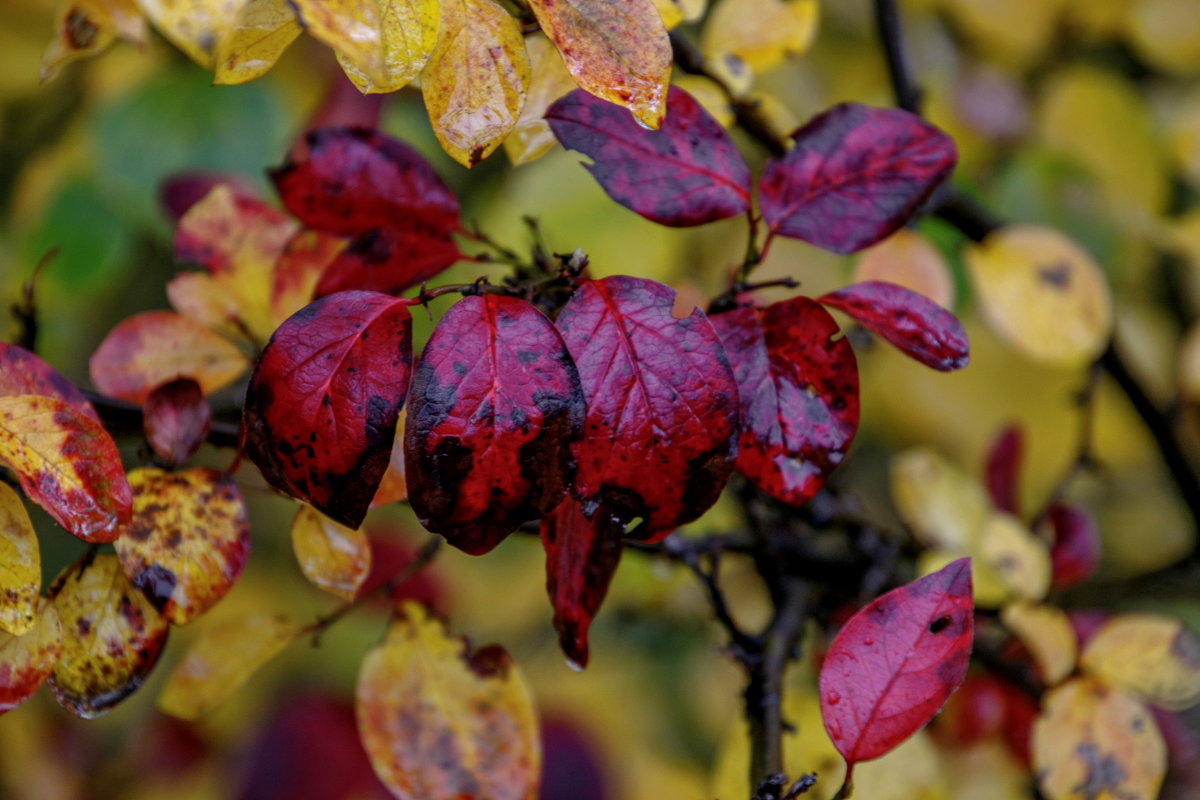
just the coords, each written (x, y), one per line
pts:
(26, 661)
(394, 487)
(83, 28)
(149, 349)
(298, 269)
(909, 259)
(761, 33)
(333, 557)
(1019, 559)
(66, 463)
(262, 30)
(1095, 742)
(440, 723)
(188, 541)
(1042, 293)
(194, 26)
(549, 80)
(616, 49)
(1153, 655)
(475, 82)
(381, 44)
(114, 636)
(221, 660)
(1047, 633)
(20, 565)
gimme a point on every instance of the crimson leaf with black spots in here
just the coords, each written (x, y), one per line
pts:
(388, 260)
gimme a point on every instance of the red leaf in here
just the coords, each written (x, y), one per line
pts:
(799, 395)
(1001, 473)
(685, 173)
(324, 399)
(389, 260)
(21, 372)
(919, 327)
(354, 180)
(177, 419)
(896, 662)
(219, 233)
(495, 403)
(855, 175)
(1075, 553)
(581, 557)
(660, 435)
(181, 191)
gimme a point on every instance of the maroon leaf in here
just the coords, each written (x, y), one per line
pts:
(324, 399)
(685, 173)
(855, 175)
(389, 260)
(799, 395)
(661, 431)
(1075, 553)
(180, 192)
(21, 372)
(919, 327)
(1001, 473)
(581, 558)
(354, 180)
(177, 419)
(895, 663)
(495, 403)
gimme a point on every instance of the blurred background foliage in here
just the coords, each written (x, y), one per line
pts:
(1081, 114)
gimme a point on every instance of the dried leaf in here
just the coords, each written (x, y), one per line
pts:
(909, 259)
(22, 372)
(188, 541)
(221, 660)
(333, 557)
(177, 419)
(549, 80)
(1156, 656)
(440, 723)
(1047, 633)
(115, 636)
(1018, 558)
(66, 463)
(84, 28)
(760, 33)
(194, 26)
(260, 33)
(26, 661)
(20, 565)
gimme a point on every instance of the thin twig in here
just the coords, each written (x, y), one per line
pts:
(25, 311)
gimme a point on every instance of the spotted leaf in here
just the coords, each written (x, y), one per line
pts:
(1153, 655)
(22, 372)
(388, 260)
(20, 565)
(26, 661)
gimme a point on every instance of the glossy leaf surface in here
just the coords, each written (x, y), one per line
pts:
(20, 565)
(798, 388)
(388, 260)
(917, 326)
(1156, 656)
(495, 404)
(685, 173)
(442, 723)
(188, 541)
(22, 372)
(660, 436)
(260, 33)
(855, 175)
(324, 398)
(115, 636)
(66, 463)
(892, 666)
(177, 418)
(333, 557)
(26, 661)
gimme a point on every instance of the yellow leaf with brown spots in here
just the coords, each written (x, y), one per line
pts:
(549, 80)
(1043, 294)
(188, 540)
(441, 723)
(112, 636)
(1018, 558)
(26, 661)
(194, 26)
(298, 268)
(262, 30)
(1095, 742)
(475, 82)
(1156, 656)
(907, 258)
(83, 28)
(381, 44)
(759, 33)
(616, 49)
(66, 463)
(944, 507)
(20, 565)
(149, 349)
(1047, 634)
(221, 660)
(333, 557)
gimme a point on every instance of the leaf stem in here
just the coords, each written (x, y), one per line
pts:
(847, 788)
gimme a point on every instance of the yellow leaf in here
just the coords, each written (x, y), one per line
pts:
(760, 33)
(194, 26)
(549, 80)
(909, 259)
(1020, 559)
(1043, 294)
(616, 49)
(261, 32)
(1098, 19)
(27, 660)
(1189, 366)
(1094, 742)
(989, 590)
(1017, 32)
(1183, 138)
(188, 541)
(1047, 633)
(475, 82)
(962, 767)
(115, 636)
(681, 10)
(1166, 34)
(439, 722)
(1155, 656)
(942, 505)
(333, 557)
(220, 660)
(381, 44)
(20, 565)
(83, 28)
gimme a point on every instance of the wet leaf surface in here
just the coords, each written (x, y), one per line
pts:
(1153, 655)
(20, 565)
(177, 418)
(333, 557)
(260, 33)
(26, 661)
(22, 372)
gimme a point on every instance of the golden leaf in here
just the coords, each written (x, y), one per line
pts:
(20, 565)
(549, 80)
(260, 33)
(194, 26)
(84, 28)
(1156, 656)
(760, 33)
(942, 505)
(298, 269)
(333, 557)
(26, 661)
(1018, 558)
(1047, 633)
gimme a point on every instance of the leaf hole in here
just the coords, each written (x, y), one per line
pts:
(940, 624)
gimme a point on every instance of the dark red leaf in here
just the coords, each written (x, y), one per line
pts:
(22, 372)
(494, 406)
(919, 327)
(1075, 553)
(661, 431)
(581, 557)
(896, 662)
(1001, 473)
(799, 395)
(354, 180)
(180, 192)
(855, 175)
(324, 399)
(685, 173)
(176, 419)
(389, 260)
